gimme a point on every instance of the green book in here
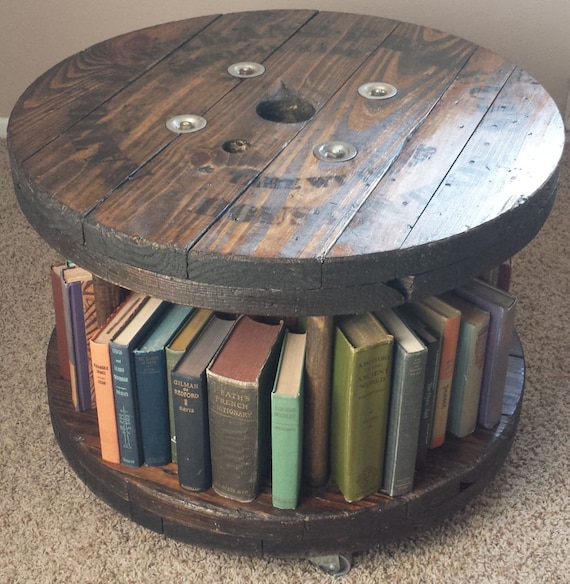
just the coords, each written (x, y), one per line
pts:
(287, 422)
(502, 307)
(360, 400)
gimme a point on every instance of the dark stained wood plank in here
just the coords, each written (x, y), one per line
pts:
(301, 222)
(281, 301)
(404, 191)
(503, 165)
(75, 87)
(83, 166)
(172, 202)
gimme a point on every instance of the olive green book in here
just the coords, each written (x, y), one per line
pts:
(287, 422)
(360, 401)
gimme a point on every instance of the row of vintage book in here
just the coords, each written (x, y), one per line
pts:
(235, 401)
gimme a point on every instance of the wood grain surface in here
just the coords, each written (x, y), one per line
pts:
(452, 175)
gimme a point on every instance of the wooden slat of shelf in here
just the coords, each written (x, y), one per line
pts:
(251, 300)
(481, 249)
(407, 187)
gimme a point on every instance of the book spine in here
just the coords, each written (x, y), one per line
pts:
(317, 400)
(68, 320)
(57, 293)
(234, 436)
(287, 446)
(84, 324)
(359, 414)
(90, 325)
(172, 358)
(152, 400)
(125, 405)
(103, 382)
(404, 421)
(190, 402)
(467, 379)
(443, 395)
(428, 402)
(491, 404)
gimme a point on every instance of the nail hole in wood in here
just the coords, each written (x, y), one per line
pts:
(236, 146)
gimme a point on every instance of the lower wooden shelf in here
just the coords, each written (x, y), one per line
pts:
(324, 523)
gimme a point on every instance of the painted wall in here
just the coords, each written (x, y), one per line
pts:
(35, 35)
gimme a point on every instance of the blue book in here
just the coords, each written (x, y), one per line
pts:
(124, 381)
(152, 388)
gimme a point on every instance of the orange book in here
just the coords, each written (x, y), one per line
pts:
(445, 321)
(102, 377)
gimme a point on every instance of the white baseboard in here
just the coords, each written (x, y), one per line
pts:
(3, 127)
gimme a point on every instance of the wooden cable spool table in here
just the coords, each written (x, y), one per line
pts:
(286, 163)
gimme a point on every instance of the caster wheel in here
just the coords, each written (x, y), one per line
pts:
(334, 565)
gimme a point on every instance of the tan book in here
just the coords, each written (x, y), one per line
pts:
(317, 400)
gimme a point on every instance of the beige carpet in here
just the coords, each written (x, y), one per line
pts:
(53, 529)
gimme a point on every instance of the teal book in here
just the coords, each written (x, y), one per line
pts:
(124, 380)
(287, 422)
(151, 383)
(470, 361)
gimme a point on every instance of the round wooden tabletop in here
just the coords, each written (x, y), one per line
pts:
(346, 162)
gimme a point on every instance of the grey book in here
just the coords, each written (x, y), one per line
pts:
(406, 398)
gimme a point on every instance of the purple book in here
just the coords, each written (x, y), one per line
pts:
(502, 307)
